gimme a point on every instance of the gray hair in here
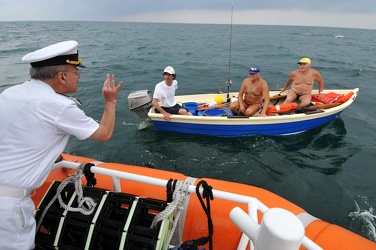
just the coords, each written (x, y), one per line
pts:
(47, 72)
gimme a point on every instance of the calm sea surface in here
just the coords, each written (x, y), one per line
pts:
(329, 171)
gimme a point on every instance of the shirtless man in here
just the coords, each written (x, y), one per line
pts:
(253, 92)
(303, 79)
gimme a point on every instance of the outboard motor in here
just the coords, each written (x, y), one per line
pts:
(140, 102)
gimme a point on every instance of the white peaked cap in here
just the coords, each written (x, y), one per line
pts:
(55, 54)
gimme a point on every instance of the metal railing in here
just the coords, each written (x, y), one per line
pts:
(252, 203)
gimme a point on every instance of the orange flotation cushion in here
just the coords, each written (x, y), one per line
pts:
(326, 98)
(344, 98)
(283, 108)
(332, 98)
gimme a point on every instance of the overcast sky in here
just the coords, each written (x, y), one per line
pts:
(328, 13)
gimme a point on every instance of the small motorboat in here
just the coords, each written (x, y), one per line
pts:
(214, 118)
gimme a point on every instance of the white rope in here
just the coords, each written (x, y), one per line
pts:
(181, 193)
(76, 179)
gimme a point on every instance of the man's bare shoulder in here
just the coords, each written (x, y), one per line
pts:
(245, 80)
(294, 73)
(315, 72)
(262, 80)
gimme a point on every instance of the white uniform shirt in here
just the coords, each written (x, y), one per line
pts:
(35, 125)
(166, 94)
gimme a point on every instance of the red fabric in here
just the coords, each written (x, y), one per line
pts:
(345, 98)
(327, 98)
(283, 108)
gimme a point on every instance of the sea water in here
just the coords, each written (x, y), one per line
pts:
(329, 171)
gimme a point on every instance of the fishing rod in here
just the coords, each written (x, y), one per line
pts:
(229, 82)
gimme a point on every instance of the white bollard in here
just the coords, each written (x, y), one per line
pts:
(244, 222)
(279, 229)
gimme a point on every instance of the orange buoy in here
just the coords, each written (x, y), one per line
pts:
(283, 108)
(344, 98)
(326, 98)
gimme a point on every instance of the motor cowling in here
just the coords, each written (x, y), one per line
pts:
(140, 102)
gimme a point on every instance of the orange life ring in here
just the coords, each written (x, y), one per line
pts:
(283, 108)
(344, 98)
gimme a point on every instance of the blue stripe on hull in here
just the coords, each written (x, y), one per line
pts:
(244, 129)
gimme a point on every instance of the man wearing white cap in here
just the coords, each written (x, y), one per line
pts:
(36, 121)
(164, 93)
(302, 81)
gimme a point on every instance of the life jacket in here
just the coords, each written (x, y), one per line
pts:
(282, 108)
(345, 98)
(331, 97)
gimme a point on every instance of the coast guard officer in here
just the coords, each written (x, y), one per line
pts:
(36, 121)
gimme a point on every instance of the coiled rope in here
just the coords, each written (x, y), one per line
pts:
(88, 201)
(207, 194)
(170, 188)
(180, 194)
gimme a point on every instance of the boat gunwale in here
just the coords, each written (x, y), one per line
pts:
(224, 120)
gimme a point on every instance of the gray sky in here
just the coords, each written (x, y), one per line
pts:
(328, 13)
